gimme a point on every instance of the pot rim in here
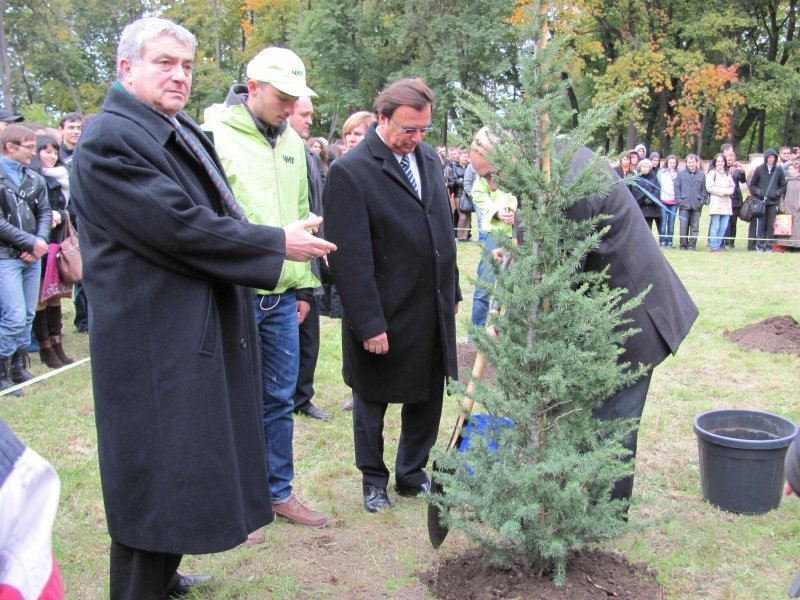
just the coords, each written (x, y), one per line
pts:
(721, 440)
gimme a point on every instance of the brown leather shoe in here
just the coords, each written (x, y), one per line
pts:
(297, 511)
(255, 538)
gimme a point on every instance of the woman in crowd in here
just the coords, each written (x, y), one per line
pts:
(655, 160)
(666, 180)
(790, 205)
(645, 189)
(624, 166)
(463, 200)
(635, 159)
(317, 146)
(47, 322)
(355, 128)
(719, 185)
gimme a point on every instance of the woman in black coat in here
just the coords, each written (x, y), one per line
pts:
(645, 189)
(47, 324)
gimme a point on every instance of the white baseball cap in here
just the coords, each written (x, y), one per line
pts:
(282, 69)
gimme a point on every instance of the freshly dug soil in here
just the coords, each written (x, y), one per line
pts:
(590, 574)
(778, 335)
(466, 358)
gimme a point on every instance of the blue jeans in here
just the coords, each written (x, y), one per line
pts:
(19, 293)
(480, 299)
(667, 228)
(716, 230)
(276, 320)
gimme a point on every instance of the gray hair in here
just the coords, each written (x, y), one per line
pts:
(137, 34)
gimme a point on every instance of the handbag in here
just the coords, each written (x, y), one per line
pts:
(465, 204)
(52, 285)
(783, 225)
(752, 208)
(70, 265)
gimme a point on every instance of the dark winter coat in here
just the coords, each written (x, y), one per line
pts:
(175, 355)
(766, 183)
(634, 261)
(395, 269)
(645, 189)
(25, 213)
(689, 188)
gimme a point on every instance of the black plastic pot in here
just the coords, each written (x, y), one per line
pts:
(741, 458)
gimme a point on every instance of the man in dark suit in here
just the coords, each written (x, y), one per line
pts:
(387, 210)
(175, 361)
(634, 261)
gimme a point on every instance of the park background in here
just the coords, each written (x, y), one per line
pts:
(710, 72)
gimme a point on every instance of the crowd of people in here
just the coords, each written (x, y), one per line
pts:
(667, 192)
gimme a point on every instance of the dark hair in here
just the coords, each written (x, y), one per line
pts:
(411, 91)
(73, 116)
(46, 141)
(15, 134)
(714, 161)
(669, 157)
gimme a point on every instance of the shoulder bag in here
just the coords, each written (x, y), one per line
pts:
(70, 265)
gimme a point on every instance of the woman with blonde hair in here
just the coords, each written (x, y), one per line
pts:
(355, 128)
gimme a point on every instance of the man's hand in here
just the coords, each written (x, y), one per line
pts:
(301, 246)
(378, 344)
(39, 248)
(56, 219)
(27, 257)
(787, 489)
(302, 310)
(506, 215)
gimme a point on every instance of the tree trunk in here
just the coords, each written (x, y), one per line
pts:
(630, 137)
(664, 112)
(334, 125)
(762, 123)
(573, 100)
(73, 91)
(5, 67)
(699, 147)
(443, 138)
(217, 41)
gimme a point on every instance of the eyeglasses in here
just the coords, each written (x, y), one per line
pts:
(31, 147)
(412, 130)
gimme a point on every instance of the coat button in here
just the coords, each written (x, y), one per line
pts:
(242, 343)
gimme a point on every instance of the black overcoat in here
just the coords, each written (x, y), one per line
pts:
(395, 269)
(635, 261)
(175, 356)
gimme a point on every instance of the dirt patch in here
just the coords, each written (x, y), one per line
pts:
(590, 574)
(777, 335)
(466, 358)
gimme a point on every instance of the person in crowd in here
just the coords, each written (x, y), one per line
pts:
(646, 190)
(785, 157)
(386, 209)
(317, 146)
(464, 202)
(720, 186)
(768, 183)
(335, 150)
(170, 266)
(29, 491)
(355, 127)
(47, 325)
(70, 126)
(689, 191)
(623, 168)
(666, 181)
(8, 118)
(498, 208)
(790, 205)
(736, 171)
(251, 130)
(655, 161)
(469, 181)
(633, 261)
(635, 157)
(454, 178)
(641, 150)
(25, 221)
(300, 120)
(441, 153)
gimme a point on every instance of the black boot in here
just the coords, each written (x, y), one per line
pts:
(42, 333)
(54, 327)
(19, 364)
(5, 382)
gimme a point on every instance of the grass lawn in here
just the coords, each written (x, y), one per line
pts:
(697, 550)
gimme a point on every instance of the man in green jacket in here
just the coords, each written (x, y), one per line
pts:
(265, 162)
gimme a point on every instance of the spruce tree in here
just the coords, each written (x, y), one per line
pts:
(532, 491)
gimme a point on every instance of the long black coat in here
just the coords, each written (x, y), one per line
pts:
(395, 269)
(635, 261)
(175, 356)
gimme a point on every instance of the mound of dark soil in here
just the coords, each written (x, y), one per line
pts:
(778, 335)
(466, 358)
(590, 574)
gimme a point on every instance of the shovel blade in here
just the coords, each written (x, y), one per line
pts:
(437, 531)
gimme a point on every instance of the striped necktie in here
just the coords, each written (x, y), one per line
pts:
(405, 164)
(230, 207)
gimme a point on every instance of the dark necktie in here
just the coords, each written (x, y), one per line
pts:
(229, 205)
(405, 164)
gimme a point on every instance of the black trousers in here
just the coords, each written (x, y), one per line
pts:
(627, 403)
(81, 308)
(418, 431)
(309, 352)
(763, 229)
(690, 227)
(141, 574)
(731, 231)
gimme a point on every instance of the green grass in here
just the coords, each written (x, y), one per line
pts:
(697, 550)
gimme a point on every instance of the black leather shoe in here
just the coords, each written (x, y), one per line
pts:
(411, 491)
(313, 412)
(186, 583)
(375, 498)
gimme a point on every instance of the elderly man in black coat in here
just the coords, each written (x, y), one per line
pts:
(634, 261)
(175, 364)
(387, 210)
